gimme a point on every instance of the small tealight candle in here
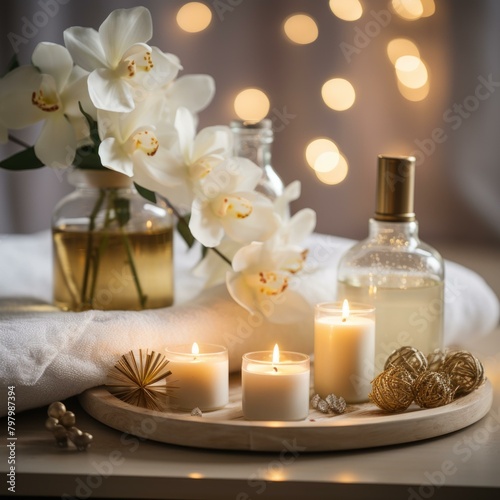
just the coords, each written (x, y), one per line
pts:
(344, 350)
(200, 374)
(275, 386)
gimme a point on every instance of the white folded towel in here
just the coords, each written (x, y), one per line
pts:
(50, 355)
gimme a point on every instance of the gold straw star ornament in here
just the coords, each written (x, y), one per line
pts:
(140, 381)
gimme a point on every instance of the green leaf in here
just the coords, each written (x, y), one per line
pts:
(121, 207)
(24, 160)
(94, 132)
(87, 158)
(146, 193)
(185, 232)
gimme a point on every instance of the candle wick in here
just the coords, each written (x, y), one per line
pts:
(275, 369)
(344, 320)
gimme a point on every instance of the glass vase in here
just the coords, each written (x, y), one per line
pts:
(112, 249)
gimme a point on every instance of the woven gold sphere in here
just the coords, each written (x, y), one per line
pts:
(432, 389)
(466, 372)
(409, 358)
(435, 359)
(392, 389)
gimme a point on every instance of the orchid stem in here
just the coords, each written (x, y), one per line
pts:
(19, 142)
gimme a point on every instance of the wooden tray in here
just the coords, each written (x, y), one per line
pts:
(362, 426)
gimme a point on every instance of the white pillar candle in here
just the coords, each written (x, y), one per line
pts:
(275, 387)
(344, 350)
(200, 376)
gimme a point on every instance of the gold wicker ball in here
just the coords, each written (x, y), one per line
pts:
(409, 358)
(435, 359)
(392, 389)
(466, 372)
(432, 389)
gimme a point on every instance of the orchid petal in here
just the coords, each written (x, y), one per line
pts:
(55, 60)
(164, 71)
(75, 94)
(122, 29)
(56, 144)
(247, 256)
(231, 175)
(194, 92)
(240, 292)
(260, 225)
(213, 140)
(185, 126)
(85, 47)
(109, 92)
(301, 226)
(204, 225)
(16, 108)
(114, 157)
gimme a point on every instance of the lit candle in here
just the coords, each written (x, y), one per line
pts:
(344, 350)
(200, 375)
(275, 386)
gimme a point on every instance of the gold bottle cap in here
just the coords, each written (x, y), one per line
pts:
(395, 188)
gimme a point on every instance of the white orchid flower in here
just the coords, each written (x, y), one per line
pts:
(262, 279)
(203, 151)
(50, 93)
(135, 145)
(225, 203)
(121, 64)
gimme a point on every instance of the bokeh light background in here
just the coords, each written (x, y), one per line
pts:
(342, 81)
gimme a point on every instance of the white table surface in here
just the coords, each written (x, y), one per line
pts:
(464, 464)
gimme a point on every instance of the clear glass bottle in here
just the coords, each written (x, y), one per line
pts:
(395, 271)
(112, 249)
(253, 140)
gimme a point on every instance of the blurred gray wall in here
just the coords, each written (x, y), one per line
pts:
(458, 181)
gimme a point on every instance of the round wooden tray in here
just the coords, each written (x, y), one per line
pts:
(362, 426)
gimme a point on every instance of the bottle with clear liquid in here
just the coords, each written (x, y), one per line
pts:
(253, 140)
(394, 270)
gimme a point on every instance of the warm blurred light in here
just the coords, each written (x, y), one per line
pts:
(326, 161)
(401, 47)
(336, 175)
(317, 147)
(411, 71)
(408, 9)
(194, 17)
(347, 10)
(429, 8)
(251, 105)
(338, 94)
(195, 475)
(301, 29)
(414, 94)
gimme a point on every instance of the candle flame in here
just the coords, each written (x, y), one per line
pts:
(195, 349)
(345, 310)
(276, 355)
